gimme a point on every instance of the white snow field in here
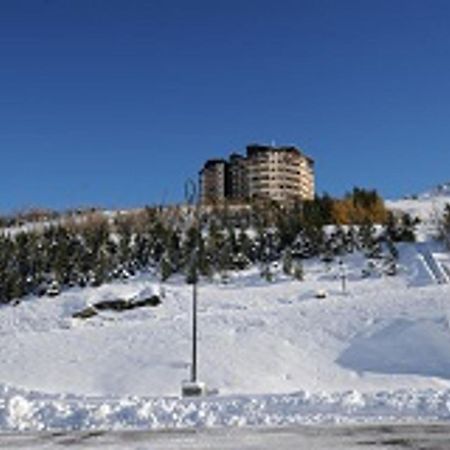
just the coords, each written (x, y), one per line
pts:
(272, 354)
(277, 354)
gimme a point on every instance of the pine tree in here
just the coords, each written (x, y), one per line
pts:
(192, 272)
(408, 232)
(174, 249)
(246, 249)
(391, 229)
(367, 235)
(391, 261)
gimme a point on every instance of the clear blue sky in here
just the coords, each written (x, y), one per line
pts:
(116, 103)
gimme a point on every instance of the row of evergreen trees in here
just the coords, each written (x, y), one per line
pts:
(95, 248)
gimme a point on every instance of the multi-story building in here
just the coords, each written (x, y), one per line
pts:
(279, 173)
(237, 178)
(213, 181)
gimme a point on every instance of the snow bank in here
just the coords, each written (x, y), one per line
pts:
(27, 411)
(402, 346)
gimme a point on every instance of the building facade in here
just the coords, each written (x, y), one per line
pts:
(279, 173)
(237, 178)
(213, 181)
(282, 174)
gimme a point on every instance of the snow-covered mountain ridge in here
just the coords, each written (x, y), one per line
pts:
(441, 190)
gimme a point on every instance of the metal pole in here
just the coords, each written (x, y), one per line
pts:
(193, 200)
(194, 330)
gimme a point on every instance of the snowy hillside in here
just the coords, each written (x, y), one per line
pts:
(388, 338)
(428, 207)
(284, 352)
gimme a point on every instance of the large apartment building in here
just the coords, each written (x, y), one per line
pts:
(279, 173)
(213, 181)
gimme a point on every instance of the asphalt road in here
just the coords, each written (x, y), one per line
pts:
(388, 437)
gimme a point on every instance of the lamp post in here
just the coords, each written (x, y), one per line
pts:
(193, 387)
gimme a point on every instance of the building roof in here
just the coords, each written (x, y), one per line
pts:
(253, 149)
(214, 162)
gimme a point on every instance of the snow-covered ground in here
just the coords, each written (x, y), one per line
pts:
(277, 354)
(271, 353)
